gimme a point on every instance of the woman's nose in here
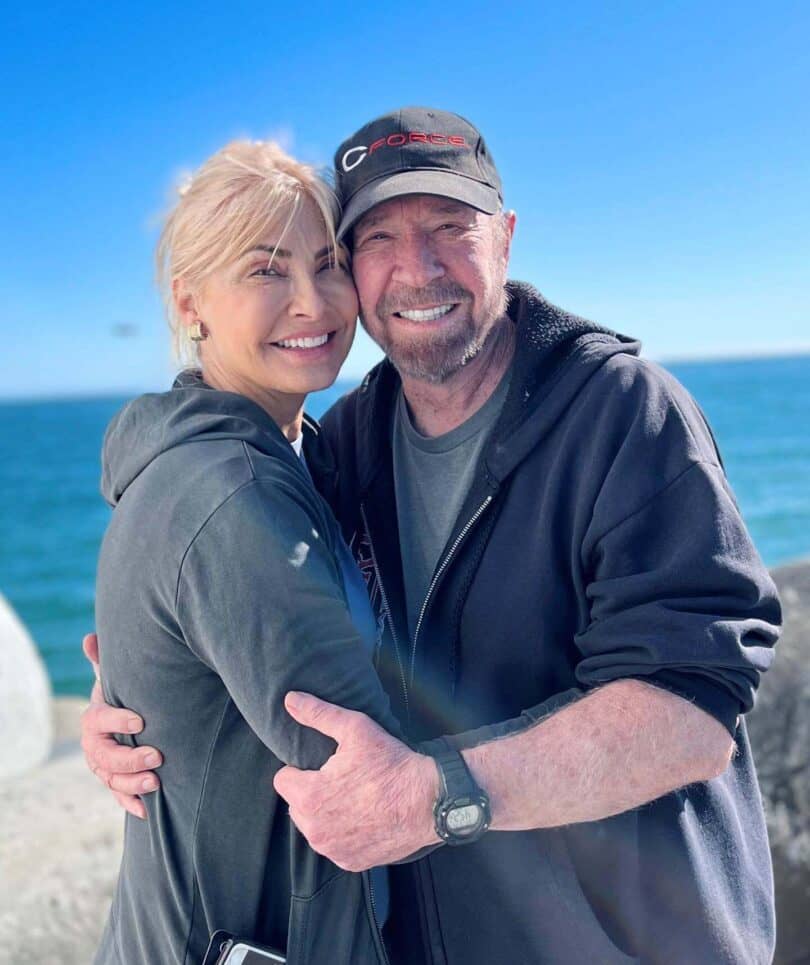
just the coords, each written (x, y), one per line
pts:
(306, 300)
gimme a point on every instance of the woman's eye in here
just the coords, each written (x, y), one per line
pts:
(331, 266)
(266, 271)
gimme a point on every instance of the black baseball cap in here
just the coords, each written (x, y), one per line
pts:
(415, 150)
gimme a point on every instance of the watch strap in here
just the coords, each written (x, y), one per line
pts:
(454, 775)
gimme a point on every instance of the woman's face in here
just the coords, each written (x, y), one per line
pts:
(280, 329)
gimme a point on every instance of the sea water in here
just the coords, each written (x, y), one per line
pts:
(52, 517)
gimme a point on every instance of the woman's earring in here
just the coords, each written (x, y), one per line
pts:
(196, 332)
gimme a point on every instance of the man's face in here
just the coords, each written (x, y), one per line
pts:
(430, 274)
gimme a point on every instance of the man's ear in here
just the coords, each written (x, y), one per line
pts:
(185, 302)
(509, 222)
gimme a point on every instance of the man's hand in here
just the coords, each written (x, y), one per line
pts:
(372, 802)
(125, 770)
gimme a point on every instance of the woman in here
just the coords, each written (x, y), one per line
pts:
(223, 581)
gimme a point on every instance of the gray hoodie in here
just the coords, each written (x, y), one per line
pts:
(221, 587)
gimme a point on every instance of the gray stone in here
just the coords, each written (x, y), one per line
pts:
(60, 847)
(779, 727)
(25, 698)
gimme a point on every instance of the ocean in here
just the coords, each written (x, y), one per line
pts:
(52, 517)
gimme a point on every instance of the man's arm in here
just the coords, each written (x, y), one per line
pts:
(124, 770)
(620, 746)
(624, 744)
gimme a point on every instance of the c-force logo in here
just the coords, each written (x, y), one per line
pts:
(356, 155)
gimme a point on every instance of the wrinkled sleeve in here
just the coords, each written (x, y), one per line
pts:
(260, 602)
(679, 597)
(675, 593)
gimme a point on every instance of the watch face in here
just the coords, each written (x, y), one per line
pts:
(465, 819)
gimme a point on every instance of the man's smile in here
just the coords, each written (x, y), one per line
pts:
(425, 314)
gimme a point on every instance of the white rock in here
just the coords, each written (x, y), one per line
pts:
(60, 847)
(25, 698)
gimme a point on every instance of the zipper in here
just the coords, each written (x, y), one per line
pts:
(377, 928)
(438, 575)
(390, 617)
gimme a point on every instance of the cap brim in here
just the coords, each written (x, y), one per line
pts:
(443, 184)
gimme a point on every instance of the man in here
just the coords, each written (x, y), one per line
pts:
(566, 593)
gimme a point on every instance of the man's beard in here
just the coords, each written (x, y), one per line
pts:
(435, 356)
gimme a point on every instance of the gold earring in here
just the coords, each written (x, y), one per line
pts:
(196, 332)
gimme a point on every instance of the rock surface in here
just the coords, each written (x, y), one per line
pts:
(25, 698)
(60, 843)
(779, 727)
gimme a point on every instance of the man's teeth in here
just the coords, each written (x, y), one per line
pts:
(312, 342)
(425, 314)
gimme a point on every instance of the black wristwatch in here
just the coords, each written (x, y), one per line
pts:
(461, 813)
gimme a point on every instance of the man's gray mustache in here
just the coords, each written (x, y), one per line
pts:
(407, 299)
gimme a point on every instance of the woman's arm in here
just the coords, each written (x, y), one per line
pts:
(260, 601)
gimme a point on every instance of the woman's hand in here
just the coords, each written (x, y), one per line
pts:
(125, 770)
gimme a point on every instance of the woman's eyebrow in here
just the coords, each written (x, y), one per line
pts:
(271, 250)
(286, 253)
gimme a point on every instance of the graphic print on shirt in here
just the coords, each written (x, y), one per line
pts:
(360, 546)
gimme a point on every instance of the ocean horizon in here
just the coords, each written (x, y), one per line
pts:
(671, 362)
(52, 516)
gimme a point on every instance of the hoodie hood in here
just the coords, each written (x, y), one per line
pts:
(555, 355)
(191, 412)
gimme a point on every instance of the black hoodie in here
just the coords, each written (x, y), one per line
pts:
(599, 541)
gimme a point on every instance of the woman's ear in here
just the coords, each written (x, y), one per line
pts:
(185, 302)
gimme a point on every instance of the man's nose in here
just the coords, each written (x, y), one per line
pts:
(417, 261)
(306, 300)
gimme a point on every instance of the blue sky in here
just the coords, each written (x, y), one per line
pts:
(656, 154)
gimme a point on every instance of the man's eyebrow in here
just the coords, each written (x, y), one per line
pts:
(452, 207)
(369, 221)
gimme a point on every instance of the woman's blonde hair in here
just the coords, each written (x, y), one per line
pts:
(229, 204)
